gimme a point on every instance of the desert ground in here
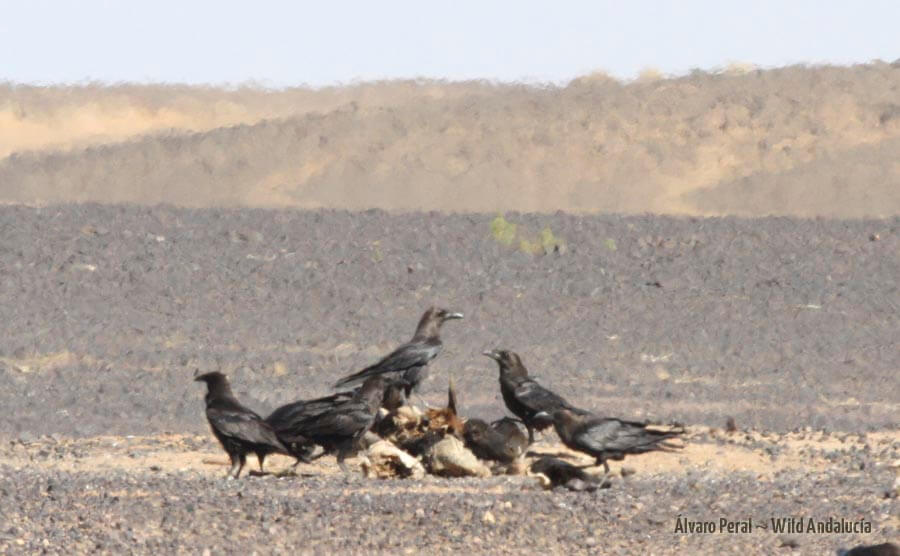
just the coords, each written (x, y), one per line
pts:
(786, 325)
(710, 247)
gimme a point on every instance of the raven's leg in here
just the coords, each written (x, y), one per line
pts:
(530, 434)
(342, 453)
(261, 456)
(348, 448)
(243, 460)
(602, 461)
(235, 466)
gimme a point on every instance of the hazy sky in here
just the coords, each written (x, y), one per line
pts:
(324, 42)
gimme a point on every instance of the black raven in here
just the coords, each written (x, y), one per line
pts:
(528, 400)
(238, 429)
(501, 441)
(287, 418)
(562, 473)
(608, 438)
(408, 362)
(341, 427)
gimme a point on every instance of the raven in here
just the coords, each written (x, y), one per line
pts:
(561, 473)
(408, 362)
(339, 428)
(284, 419)
(287, 418)
(528, 400)
(501, 441)
(238, 429)
(610, 438)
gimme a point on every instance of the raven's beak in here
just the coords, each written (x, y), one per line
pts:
(492, 354)
(451, 316)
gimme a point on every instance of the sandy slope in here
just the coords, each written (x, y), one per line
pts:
(796, 140)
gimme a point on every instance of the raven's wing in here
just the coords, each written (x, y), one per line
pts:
(537, 398)
(243, 425)
(542, 403)
(627, 437)
(287, 415)
(345, 420)
(412, 354)
(282, 417)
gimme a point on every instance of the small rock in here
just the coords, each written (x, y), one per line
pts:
(488, 518)
(626, 471)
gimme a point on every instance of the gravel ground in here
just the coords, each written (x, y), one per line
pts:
(783, 324)
(149, 494)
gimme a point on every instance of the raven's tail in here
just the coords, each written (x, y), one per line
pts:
(661, 440)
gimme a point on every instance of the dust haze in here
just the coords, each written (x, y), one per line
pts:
(802, 141)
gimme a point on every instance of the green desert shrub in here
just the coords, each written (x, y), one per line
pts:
(507, 232)
(503, 230)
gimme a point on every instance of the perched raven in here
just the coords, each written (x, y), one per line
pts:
(408, 362)
(341, 427)
(528, 400)
(238, 429)
(501, 441)
(287, 419)
(608, 438)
